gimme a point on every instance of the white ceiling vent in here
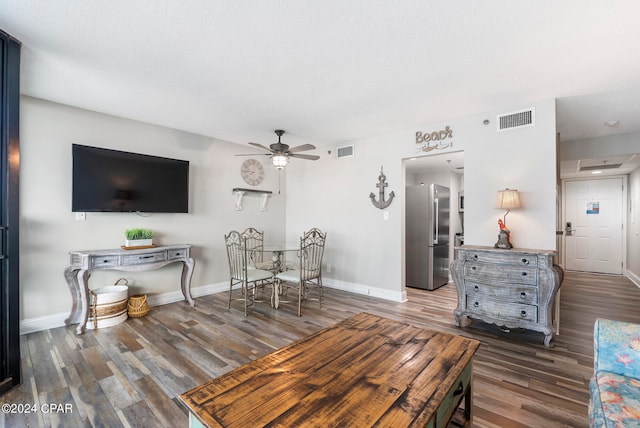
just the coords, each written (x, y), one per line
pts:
(344, 152)
(516, 119)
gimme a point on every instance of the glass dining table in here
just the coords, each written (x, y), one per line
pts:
(279, 258)
(278, 255)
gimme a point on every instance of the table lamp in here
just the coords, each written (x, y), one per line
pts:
(507, 199)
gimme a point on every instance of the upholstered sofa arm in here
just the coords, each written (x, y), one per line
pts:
(617, 347)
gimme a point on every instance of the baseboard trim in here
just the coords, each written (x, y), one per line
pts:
(176, 296)
(394, 296)
(633, 278)
(32, 325)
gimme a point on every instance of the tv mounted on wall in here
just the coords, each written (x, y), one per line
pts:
(108, 180)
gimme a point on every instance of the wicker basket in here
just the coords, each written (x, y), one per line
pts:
(138, 306)
(108, 305)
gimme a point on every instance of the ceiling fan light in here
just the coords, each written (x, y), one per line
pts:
(279, 161)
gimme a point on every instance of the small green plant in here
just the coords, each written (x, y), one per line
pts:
(138, 233)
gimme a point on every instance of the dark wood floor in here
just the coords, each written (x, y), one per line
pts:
(132, 374)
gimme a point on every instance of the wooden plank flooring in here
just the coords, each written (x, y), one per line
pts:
(132, 374)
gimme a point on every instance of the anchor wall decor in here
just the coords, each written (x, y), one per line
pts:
(381, 203)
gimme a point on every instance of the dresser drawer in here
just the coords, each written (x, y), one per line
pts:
(482, 272)
(502, 310)
(517, 293)
(451, 402)
(502, 258)
(104, 261)
(178, 253)
(138, 259)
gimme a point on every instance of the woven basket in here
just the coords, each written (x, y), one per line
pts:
(138, 306)
(108, 305)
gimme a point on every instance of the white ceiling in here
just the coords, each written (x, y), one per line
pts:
(334, 70)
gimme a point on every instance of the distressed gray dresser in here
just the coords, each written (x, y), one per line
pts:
(513, 288)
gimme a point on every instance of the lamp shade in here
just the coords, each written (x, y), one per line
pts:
(507, 199)
(279, 161)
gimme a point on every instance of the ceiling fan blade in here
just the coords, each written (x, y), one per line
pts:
(302, 148)
(260, 146)
(254, 154)
(309, 157)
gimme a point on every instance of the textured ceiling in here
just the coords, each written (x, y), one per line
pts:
(329, 71)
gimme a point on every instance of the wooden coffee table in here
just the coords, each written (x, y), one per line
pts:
(363, 371)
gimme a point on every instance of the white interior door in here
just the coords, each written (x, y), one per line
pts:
(593, 228)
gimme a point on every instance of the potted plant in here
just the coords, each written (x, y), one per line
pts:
(139, 237)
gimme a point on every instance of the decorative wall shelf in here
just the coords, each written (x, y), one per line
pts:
(240, 192)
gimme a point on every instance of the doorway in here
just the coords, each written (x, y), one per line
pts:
(593, 225)
(444, 169)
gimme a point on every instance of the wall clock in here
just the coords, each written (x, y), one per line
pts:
(252, 172)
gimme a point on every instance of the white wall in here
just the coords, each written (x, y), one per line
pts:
(48, 229)
(613, 145)
(366, 252)
(442, 178)
(363, 250)
(523, 159)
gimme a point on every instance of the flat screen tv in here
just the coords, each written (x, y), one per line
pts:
(113, 181)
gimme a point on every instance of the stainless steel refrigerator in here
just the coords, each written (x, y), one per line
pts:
(427, 236)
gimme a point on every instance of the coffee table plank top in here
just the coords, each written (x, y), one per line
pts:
(363, 371)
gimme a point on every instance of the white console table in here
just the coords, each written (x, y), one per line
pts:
(83, 263)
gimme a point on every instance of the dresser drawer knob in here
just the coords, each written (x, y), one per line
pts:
(523, 314)
(523, 295)
(476, 288)
(476, 304)
(524, 274)
(525, 261)
(475, 257)
(473, 268)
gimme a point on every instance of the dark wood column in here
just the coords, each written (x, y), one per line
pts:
(9, 212)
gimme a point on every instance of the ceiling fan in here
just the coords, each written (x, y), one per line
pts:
(280, 152)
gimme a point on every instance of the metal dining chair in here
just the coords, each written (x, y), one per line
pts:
(307, 274)
(289, 265)
(255, 247)
(248, 278)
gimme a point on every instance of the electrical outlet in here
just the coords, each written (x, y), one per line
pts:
(328, 268)
(81, 216)
(385, 215)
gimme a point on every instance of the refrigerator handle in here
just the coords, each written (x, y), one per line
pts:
(435, 220)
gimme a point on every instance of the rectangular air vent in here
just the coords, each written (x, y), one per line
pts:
(344, 152)
(516, 119)
(597, 167)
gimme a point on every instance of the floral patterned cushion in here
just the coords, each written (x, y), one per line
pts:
(617, 347)
(615, 385)
(615, 401)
